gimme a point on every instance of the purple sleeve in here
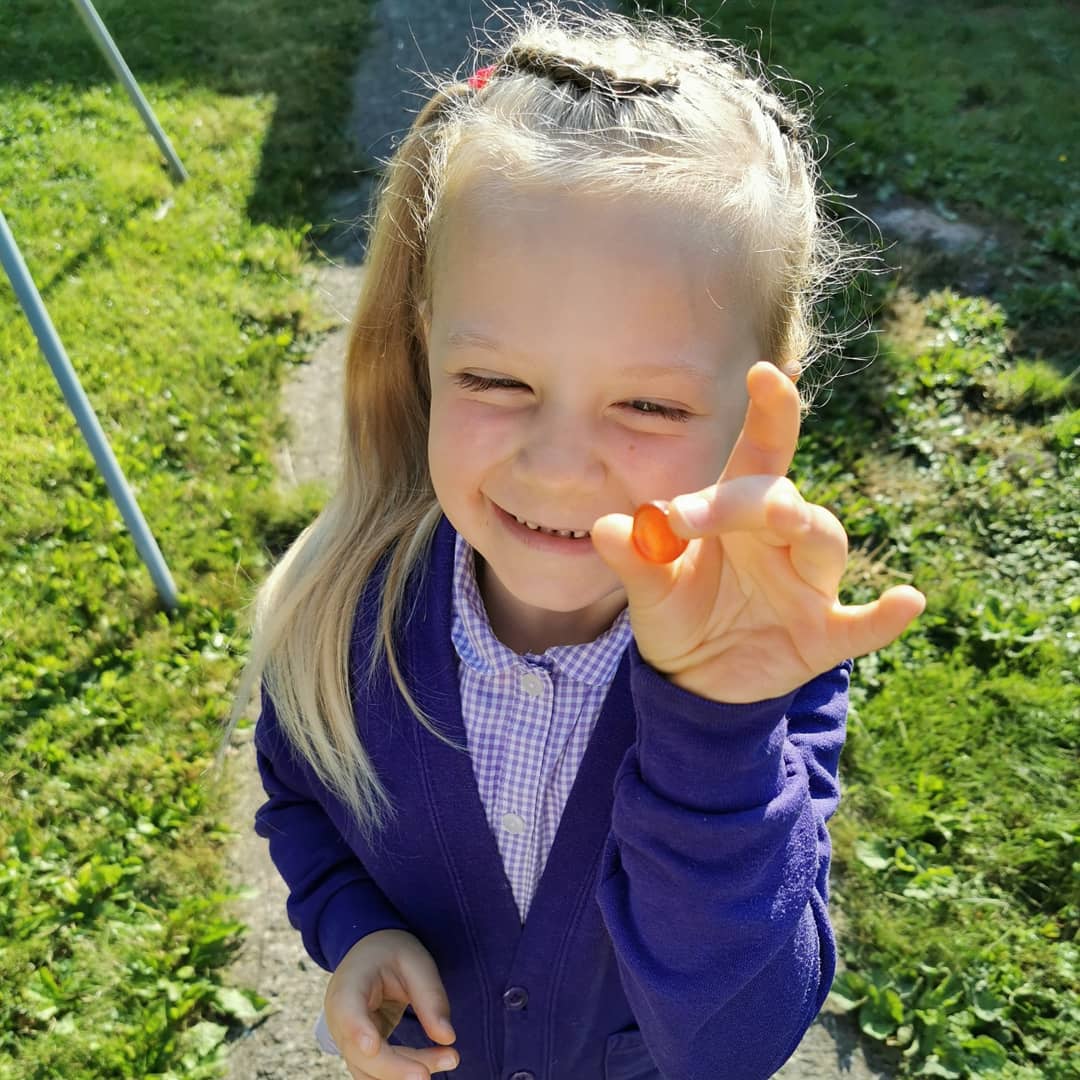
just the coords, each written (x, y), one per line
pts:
(714, 885)
(333, 901)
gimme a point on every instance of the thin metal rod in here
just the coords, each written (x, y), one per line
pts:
(122, 72)
(30, 300)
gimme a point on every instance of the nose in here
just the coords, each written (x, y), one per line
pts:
(559, 453)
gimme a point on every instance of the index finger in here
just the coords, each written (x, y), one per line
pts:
(770, 432)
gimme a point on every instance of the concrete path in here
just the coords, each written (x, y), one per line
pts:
(410, 36)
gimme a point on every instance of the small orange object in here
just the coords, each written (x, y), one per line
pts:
(652, 534)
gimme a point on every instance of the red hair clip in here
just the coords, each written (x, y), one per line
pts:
(479, 79)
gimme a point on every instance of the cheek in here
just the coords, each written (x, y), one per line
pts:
(662, 467)
(464, 435)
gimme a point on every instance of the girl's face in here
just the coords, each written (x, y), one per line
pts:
(586, 355)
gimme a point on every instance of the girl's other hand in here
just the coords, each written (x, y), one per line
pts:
(750, 610)
(366, 998)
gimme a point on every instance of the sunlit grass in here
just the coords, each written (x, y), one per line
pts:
(180, 307)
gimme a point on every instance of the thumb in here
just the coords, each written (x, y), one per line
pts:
(427, 994)
(646, 582)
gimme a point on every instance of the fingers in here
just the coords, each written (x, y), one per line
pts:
(423, 987)
(348, 1009)
(819, 555)
(428, 995)
(772, 508)
(403, 1063)
(864, 628)
(367, 995)
(770, 432)
(771, 505)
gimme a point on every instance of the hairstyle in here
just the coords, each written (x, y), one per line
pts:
(588, 101)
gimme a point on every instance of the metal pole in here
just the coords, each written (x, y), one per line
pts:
(30, 300)
(120, 69)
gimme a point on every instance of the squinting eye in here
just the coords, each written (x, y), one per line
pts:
(468, 381)
(651, 408)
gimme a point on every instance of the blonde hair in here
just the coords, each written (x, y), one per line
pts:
(591, 101)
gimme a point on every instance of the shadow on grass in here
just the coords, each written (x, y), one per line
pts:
(302, 54)
(1036, 290)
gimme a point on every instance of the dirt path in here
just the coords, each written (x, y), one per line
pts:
(410, 34)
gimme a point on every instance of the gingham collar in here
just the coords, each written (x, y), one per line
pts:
(593, 663)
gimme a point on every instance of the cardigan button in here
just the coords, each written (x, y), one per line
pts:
(517, 997)
(522, 1075)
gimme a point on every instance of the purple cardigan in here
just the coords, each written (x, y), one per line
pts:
(680, 929)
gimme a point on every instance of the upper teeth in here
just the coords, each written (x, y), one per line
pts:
(551, 532)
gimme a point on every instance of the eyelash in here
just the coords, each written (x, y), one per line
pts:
(468, 381)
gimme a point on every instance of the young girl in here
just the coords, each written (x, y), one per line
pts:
(548, 810)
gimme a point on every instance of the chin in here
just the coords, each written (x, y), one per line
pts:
(565, 598)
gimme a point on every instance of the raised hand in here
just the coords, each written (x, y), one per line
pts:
(750, 610)
(365, 1000)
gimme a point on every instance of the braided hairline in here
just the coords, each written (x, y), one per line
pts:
(584, 77)
(564, 71)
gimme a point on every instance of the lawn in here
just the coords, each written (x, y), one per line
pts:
(948, 443)
(181, 308)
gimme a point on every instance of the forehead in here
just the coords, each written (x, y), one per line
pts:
(596, 274)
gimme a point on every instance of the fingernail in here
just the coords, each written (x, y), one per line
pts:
(447, 1063)
(694, 509)
(367, 1044)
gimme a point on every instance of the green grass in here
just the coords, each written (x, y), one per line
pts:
(949, 446)
(957, 842)
(180, 308)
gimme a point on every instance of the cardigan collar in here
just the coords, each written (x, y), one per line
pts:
(457, 815)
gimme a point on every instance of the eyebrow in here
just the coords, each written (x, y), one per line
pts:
(464, 339)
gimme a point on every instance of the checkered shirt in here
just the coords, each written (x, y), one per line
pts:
(528, 720)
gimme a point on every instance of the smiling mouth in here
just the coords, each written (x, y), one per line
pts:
(566, 534)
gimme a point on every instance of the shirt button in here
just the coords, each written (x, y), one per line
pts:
(513, 823)
(517, 997)
(522, 1075)
(531, 684)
